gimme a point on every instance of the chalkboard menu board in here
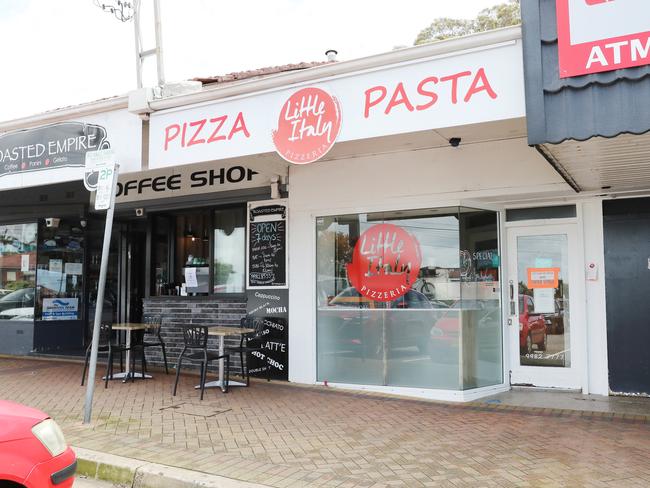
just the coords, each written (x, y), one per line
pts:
(267, 245)
(272, 306)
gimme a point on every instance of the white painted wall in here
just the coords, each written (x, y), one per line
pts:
(409, 179)
(596, 331)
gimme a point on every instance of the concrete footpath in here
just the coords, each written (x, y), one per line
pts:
(287, 436)
(133, 473)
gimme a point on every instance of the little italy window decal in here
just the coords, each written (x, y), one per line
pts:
(385, 263)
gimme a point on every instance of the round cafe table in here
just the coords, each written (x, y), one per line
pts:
(130, 327)
(221, 332)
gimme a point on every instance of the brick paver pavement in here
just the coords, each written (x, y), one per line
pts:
(288, 436)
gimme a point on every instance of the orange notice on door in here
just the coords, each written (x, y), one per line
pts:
(543, 277)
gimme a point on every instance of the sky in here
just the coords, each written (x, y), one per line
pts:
(59, 53)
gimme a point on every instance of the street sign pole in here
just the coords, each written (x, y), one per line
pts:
(90, 388)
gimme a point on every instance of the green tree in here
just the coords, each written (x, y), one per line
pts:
(502, 15)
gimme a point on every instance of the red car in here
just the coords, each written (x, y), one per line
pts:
(532, 326)
(33, 451)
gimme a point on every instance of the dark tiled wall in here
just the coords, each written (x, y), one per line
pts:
(179, 311)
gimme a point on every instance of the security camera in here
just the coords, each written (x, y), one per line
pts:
(139, 212)
(52, 222)
(454, 141)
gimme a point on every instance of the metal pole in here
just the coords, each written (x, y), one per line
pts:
(90, 388)
(159, 48)
(138, 42)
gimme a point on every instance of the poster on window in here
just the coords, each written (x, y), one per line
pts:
(60, 309)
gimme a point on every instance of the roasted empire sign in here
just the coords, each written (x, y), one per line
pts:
(53, 146)
(385, 263)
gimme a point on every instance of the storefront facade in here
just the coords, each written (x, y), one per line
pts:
(387, 217)
(51, 241)
(587, 67)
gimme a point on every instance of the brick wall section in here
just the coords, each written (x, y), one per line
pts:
(179, 311)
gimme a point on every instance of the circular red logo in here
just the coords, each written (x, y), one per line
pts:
(385, 262)
(309, 123)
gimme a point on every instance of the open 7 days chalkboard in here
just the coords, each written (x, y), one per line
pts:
(267, 245)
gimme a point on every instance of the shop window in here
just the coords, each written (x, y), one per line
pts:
(160, 253)
(537, 213)
(192, 257)
(59, 278)
(409, 298)
(17, 271)
(199, 253)
(229, 246)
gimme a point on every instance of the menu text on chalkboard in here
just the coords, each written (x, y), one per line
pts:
(267, 246)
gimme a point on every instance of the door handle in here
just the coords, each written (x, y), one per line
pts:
(512, 298)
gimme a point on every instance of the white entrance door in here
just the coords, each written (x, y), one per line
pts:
(545, 308)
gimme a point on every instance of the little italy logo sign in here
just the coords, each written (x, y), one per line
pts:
(385, 263)
(309, 123)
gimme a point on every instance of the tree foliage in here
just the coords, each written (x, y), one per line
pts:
(502, 15)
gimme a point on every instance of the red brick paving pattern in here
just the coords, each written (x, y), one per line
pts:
(287, 436)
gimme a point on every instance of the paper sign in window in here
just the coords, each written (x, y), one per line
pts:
(190, 278)
(543, 277)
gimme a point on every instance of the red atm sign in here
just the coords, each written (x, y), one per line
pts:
(602, 35)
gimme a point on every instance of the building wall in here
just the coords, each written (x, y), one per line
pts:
(408, 179)
(178, 312)
(596, 332)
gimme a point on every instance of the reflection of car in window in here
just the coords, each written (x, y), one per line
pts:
(358, 321)
(532, 328)
(18, 299)
(22, 313)
(555, 321)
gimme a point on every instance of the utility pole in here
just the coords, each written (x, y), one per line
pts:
(125, 11)
(140, 52)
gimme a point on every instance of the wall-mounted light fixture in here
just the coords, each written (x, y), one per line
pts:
(189, 232)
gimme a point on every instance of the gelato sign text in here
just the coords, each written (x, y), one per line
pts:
(52, 146)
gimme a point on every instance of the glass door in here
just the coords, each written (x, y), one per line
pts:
(543, 307)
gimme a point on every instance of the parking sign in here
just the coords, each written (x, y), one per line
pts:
(104, 165)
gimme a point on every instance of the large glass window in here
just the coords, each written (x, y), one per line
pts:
(409, 298)
(17, 271)
(160, 254)
(192, 264)
(229, 246)
(60, 272)
(199, 253)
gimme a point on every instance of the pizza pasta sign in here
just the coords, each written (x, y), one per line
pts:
(602, 35)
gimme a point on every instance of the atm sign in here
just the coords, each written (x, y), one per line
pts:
(595, 36)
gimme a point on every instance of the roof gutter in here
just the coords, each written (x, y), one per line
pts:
(106, 105)
(282, 80)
